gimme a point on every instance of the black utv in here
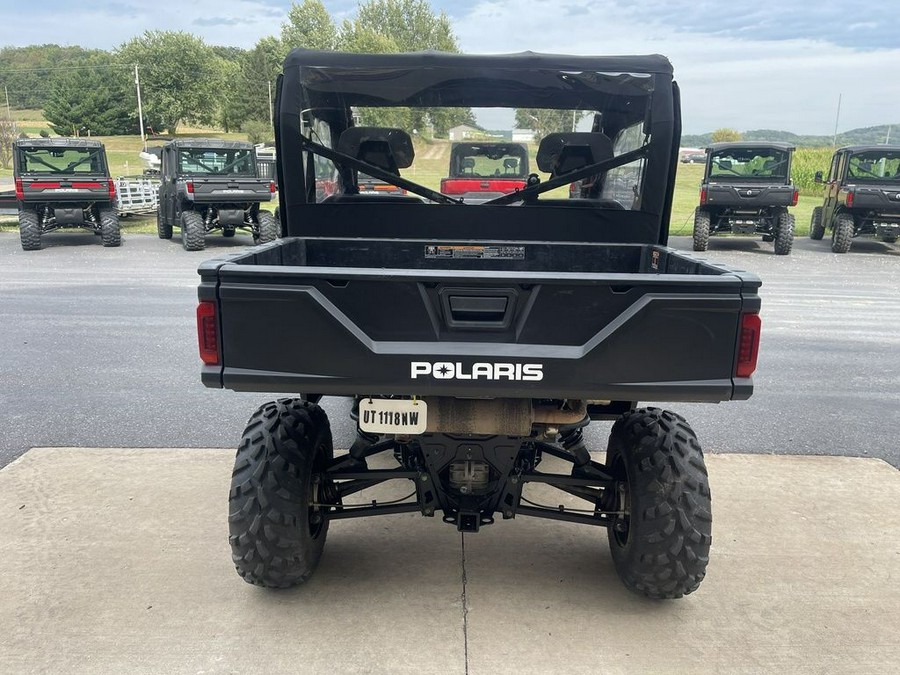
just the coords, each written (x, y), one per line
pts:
(862, 196)
(64, 183)
(747, 189)
(210, 184)
(475, 342)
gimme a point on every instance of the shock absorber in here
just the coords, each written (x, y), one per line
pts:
(572, 440)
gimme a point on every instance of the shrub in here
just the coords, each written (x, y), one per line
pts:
(257, 132)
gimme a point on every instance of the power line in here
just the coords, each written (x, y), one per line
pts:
(54, 68)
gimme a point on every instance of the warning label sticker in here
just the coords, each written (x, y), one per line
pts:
(476, 252)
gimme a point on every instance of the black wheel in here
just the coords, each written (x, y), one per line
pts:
(889, 238)
(275, 531)
(162, 229)
(193, 231)
(842, 233)
(816, 227)
(784, 233)
(29, 230)
(110, 234)
(661, 536)
(701, 229)
(278, 220)
(228, 231)
(267, 228)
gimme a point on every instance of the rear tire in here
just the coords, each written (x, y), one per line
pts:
(110, 233)
(842, 233)
(889, 238)
(784, 233)
(660, 545)
(701, 229)
(268, 228)
(276, 536)
(816, 228)
(29, 230)
(162, 229)
(193, 231)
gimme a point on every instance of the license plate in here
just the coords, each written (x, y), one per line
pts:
(393, 416)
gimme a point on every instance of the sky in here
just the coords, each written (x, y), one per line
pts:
(745, 64)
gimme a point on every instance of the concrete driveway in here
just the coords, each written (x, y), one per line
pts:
(116, 561)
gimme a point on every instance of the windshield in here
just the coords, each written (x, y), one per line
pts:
(62, 161)
(875, 165)
(749, 163)
(216, 161)
(488, 160)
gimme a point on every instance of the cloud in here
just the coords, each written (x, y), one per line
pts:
(237, 23)
(730, 75)
(743, 63)
(217, 21)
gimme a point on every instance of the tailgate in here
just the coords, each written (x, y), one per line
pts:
(66, 190)
(349, 331)
(230, 190)
(885, 200)
(461, 186)
(749, 196)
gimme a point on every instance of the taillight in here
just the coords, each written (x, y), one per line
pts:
(272, 187)
(795, 198)
(850, 200)
(112, 190)
(703, 195)
(748, 346)
(208, 332)
(189, 186)
(20, 191)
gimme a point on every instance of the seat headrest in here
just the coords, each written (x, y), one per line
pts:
(562, 153)
(388, 149)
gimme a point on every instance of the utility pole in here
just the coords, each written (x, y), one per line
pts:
(137, 86)
(836, 118)
(887, 141)
(8, 113)
(271, 112)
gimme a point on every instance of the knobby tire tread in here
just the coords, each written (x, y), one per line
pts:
(269, 530)
(29, 230)
(670, 528)
(701, 230)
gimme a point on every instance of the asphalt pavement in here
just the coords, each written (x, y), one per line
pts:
(99, 350)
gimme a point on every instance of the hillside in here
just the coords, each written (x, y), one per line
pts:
(864, 136)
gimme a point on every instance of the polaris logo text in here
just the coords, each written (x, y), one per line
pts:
(447, 370)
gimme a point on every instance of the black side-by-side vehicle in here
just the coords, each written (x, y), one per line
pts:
(862, 196)
(210, 184)
(476, 342)
(63, 183)
(747, 189)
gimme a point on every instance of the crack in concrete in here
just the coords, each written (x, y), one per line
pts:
(465, 604)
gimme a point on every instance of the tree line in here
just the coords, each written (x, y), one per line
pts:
(186, 81)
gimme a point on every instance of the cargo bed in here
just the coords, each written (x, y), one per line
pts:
(601, 321)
